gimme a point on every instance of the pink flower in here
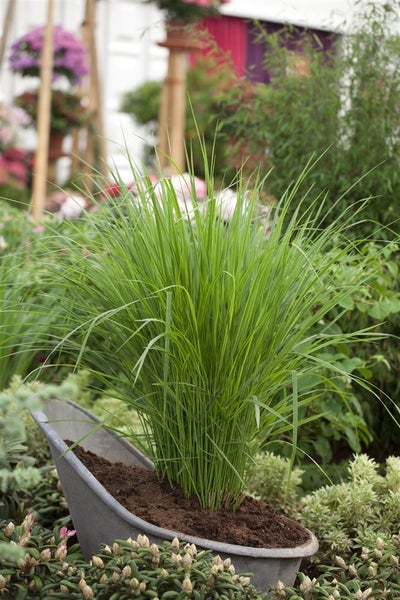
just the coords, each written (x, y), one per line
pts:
(66, 533)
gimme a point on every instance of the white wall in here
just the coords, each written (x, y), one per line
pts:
(321, 14)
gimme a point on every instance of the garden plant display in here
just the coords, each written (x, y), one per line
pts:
(167, 315)
(69, 55)
(188, 10)
(67, 109)
(39, 554)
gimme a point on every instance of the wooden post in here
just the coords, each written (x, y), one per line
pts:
(40, 172)
(93, 131)
(173, 113)
(6, 28)
(172, 116)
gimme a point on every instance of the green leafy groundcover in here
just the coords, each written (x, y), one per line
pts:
(40, 558)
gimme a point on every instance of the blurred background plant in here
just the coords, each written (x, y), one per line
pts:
(69, 58)
(15, 161)
(67, 109)
(220, 115)
(184, 11)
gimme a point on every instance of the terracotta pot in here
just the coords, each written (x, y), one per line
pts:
(98, 518)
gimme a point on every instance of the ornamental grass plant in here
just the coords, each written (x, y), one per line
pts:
(25, 316)
(213, 331)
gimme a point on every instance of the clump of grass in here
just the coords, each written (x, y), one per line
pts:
(212, 331)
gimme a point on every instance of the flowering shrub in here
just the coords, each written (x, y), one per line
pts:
(11, 119)
(66, 109)
(15, 165)
(68, 60)
(189, 10)
(15, 162)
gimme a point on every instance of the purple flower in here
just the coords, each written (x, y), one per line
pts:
(69, 59)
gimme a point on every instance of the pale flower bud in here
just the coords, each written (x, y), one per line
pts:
(143, 540)
(87, 593)
(215, 569)
(187, 561)
(115, 576)
(306, 585)
(187, 585)
(378, 554)
(340, 562)
(372, 569)
(116, 548)
(394, 561)
(3, 582)
(126, 571)
(176, 559)
(134, 583)
(30, 561)
(142, 586)
(9, 530)
(364, 553)
(45, 555)
(61, 551)
(64, 589)
(28, 522)
(97, 562)
(279, 591)
(244, 580)
(175, 544)
(353, 570)
(164, 573)
(24, 538)
(82, 583)
(154, 549)
(380, 544)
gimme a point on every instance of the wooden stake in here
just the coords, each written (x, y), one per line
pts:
(43, 122)
(6, 28)
(171, 153)
(95, 152)
(172, 116)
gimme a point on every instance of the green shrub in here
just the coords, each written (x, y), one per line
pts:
(366, 573)
(271, 478)
(347, 103)
(17, 471)
(39, 558)
(357, 511)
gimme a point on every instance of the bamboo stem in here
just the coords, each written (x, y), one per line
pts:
(43, 122)
(6, 28)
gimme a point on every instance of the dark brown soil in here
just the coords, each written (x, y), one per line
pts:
(255, 523)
